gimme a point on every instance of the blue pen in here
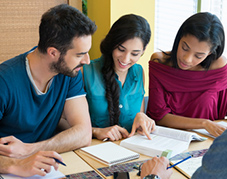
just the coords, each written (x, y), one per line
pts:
(58, 161)
(180, 162)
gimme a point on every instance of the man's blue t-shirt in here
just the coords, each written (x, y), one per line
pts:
(25, 114)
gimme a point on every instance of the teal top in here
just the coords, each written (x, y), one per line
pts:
(131, 95)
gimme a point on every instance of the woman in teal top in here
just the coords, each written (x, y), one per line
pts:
(115, 83)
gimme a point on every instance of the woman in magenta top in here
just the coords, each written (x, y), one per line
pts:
(187, 86)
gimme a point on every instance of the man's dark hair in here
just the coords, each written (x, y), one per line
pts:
(60, 24)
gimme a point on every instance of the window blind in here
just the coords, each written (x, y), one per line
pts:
(219, 8)
(169, 15)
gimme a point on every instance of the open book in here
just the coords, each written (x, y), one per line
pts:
(110, 153)
(165, 142)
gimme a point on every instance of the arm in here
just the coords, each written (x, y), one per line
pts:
(181, 122)
(78, 135)
(142, 123)
(159, 109)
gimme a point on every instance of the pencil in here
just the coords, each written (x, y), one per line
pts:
(180, 162)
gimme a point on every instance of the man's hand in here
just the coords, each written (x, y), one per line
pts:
(37, 164)
(12, 147)
(157, 166)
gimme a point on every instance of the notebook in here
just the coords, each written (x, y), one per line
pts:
(110, 153)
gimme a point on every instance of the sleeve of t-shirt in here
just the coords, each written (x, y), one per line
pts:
(157, 107)
(76, 87)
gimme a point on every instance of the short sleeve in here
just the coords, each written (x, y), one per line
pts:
(76, 87)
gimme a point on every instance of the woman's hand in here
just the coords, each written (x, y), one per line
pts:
(214, 128)
(113, 133)
(143, 124)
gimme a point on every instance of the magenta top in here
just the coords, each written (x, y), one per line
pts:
(195, 94)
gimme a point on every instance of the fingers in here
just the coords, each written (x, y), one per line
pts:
(214, 128)
(143, 124)
(5, 145)
(116, 133)
(39, 163)
(123, 132)
(153, 126)
(146, 128)
(50, 159)
(134, 127)
(5, 140)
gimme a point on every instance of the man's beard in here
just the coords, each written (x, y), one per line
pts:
(61, 67)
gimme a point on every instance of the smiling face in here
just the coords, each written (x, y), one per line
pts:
(127, 54)
(75, 58)
(191, 52)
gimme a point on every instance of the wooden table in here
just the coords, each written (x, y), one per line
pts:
(78, 162)
(194, 145)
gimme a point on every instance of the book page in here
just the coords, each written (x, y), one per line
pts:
(175, 133)
(158, 145)
(189, 166)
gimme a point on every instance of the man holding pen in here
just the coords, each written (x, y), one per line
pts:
(41, 86)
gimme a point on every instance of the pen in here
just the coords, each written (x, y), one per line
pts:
(180, 162)
(58, 161)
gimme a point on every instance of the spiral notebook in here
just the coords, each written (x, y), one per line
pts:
(110, 153)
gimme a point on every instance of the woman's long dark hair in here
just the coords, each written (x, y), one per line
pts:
(205, 27)
(125, 28)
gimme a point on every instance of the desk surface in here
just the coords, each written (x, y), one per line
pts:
(78, 162)
(194, 145)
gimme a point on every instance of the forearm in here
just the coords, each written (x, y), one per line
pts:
(94, 131)
(73, 138)
(181, 122)
(6, 164)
